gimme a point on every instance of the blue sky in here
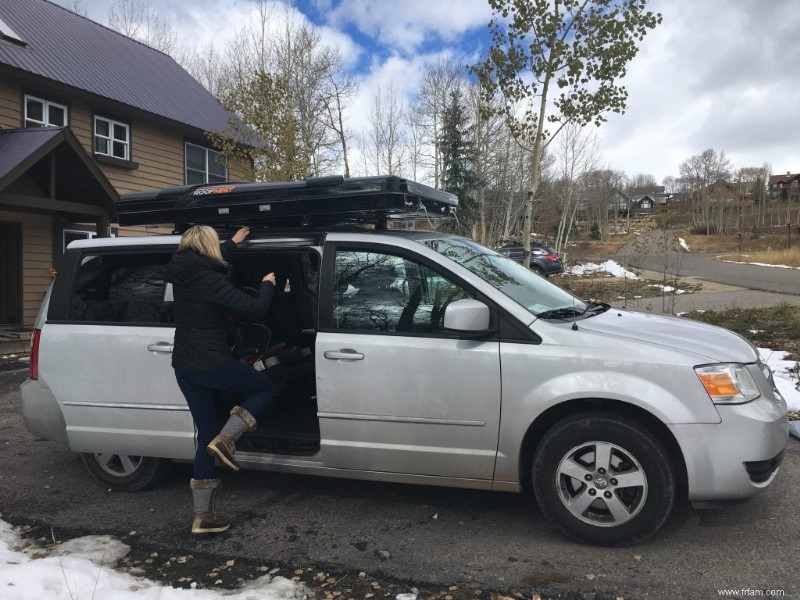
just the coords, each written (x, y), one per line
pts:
(714, 74)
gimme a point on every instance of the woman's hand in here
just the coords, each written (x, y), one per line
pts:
(240, 235)
(269, 277)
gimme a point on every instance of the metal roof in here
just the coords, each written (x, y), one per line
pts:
(77, 177)
(63, 46)
(17, 145)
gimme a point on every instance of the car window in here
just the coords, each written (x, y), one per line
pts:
(387, 293)
(121, 288)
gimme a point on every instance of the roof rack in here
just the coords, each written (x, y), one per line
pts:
(312, 203)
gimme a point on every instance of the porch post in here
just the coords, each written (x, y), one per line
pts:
(103, 227)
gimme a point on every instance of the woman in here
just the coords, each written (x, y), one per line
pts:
(204, 298)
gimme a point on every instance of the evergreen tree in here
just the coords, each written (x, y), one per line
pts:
(458, 160)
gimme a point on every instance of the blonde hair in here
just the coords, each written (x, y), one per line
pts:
(203, 240)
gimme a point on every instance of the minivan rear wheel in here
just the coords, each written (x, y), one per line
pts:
(603, 479)
(125, 473)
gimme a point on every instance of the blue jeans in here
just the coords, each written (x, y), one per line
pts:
(199, 390)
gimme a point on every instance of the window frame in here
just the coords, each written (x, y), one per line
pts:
(327, 290)
(111, 139)
(206, 173)
(46, 104)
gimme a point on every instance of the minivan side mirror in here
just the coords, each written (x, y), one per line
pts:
(468, 316)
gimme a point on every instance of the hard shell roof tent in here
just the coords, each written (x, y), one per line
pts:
(309, 204)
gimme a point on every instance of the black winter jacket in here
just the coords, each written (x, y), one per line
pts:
(204, 298)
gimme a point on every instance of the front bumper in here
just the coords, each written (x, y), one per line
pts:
(738, 457)
(42, 413)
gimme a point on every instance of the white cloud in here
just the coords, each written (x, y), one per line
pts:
(405, 26)
(711, 76)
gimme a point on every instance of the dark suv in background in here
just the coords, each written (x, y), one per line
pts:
(544, 260)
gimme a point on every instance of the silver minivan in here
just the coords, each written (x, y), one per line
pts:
(415, 357)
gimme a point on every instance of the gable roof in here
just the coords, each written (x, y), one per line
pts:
(77, 177)
(63, 46)
(776, 179)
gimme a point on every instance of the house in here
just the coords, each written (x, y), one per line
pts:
(619, 204)
(643, 205)
(86, 114)
(722, 192)
(784, 187)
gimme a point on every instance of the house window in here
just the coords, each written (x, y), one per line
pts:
(204, 165)
(44, 113)
(112, 138)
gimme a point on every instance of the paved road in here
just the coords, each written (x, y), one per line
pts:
(436, 536)
(653, 251)
(725, 285)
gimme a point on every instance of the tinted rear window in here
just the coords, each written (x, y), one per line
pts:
(121, 288)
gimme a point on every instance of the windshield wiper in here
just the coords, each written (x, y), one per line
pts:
(592, 308)
(565, 312)
(595, 308)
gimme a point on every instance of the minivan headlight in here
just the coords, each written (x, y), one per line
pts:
(728, 383)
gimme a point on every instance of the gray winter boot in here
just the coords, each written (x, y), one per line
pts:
(204, 492)
(223, 447)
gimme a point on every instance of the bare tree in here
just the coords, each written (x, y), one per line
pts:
(386, 137)
(342, 90)
(700, 172)
(138, 19)
(309, 69)
(438, 80)
(78, 7)
(576, 155)
(208, 67)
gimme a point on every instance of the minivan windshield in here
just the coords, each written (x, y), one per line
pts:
(542, 298)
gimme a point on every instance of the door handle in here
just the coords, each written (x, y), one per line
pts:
(161, 347)
(345, 354)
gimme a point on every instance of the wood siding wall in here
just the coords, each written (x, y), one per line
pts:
(156, 146)
(37, 259)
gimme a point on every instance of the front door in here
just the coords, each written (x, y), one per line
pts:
(10, 273)
(396, 393)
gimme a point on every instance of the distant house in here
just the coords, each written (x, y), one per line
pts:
(86, 114)
(619, 204)
(643, 205)
(722, 192)
(784, 186)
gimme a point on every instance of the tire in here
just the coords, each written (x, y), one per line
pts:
(123, 473)
(584, 499)
(537, 270)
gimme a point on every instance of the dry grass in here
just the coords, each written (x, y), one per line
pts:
(735, 243)
(592, 249)
(777, 327)
(617, 290)
(789, 257)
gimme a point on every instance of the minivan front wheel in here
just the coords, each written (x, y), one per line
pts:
(603, 479)
(125, 473)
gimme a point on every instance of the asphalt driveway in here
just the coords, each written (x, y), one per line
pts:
(424, 537)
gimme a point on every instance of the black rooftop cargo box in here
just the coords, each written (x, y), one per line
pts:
(311, 203)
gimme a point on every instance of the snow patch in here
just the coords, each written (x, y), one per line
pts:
(784, 373)
(77, 569)
(611, 267)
